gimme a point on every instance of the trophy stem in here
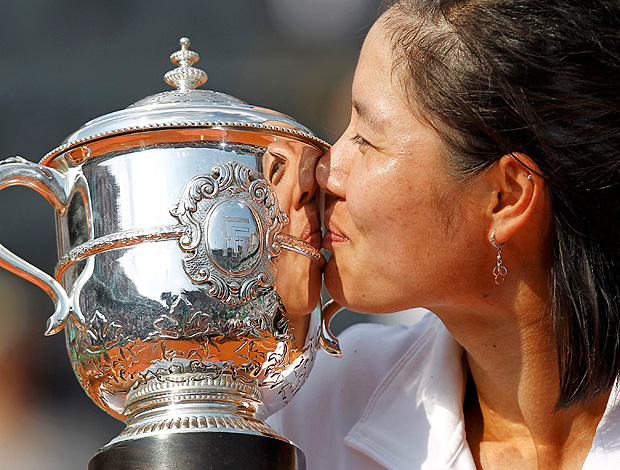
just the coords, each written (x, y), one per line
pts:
(194, 421)
(194, 402)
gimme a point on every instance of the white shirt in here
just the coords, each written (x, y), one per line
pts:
(394, 401)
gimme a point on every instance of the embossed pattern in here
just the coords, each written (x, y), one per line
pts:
(207, 209)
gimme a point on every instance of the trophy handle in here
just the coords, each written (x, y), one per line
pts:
(52, 185)
(328, 342)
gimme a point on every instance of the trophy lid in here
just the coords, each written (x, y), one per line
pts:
(187, 107)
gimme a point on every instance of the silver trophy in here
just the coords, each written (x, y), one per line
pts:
(188, 237)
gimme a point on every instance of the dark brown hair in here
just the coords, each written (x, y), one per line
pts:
(541, 78)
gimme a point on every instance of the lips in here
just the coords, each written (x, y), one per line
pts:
(312, 233)
(333, 235)
(314, 239)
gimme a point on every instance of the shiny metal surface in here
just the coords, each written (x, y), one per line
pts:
(186, 107)
(53, 186)
(185, 77)
(189, 261)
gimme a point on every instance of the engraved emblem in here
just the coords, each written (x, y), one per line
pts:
(233, 237)
(231, 221)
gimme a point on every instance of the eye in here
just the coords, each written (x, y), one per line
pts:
(362, 143)
(277, 169)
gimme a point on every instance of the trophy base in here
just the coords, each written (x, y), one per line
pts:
(200, 451)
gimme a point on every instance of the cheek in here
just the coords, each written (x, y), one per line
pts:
(284, 192)
(383, 203)
(367, 197)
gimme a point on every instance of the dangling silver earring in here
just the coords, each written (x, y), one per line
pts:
(500, 270)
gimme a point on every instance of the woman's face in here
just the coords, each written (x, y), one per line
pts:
(402, 232)
(290, 167)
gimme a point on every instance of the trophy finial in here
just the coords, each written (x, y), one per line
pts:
(185, 77)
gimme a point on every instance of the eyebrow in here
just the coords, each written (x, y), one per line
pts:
(366, 114)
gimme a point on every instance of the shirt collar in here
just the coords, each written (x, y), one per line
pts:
(419, 396)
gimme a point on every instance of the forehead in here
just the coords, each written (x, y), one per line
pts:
(384, 112)
(378, 94)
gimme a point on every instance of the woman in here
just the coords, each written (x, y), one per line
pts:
(479, 178)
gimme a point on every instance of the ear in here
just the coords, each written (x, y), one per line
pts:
(518, 190)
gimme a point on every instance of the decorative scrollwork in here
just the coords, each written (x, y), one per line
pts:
(232, 220)
(101, 334)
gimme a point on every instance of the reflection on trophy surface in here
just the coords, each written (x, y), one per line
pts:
(189, 273)
(289, 166)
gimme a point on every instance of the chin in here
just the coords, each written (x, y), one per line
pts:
(298, 283)
(333, 282)
(302, 302)
(355, 293)
(344, 290)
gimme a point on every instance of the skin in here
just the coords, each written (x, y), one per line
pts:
(290, 166)
(403, 233)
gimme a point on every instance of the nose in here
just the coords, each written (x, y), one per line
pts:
(332, 170)
(307, 185)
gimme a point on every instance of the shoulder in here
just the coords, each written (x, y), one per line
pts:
(339, 389)
(371, 349)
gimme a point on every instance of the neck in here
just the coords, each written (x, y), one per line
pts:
(512, 421)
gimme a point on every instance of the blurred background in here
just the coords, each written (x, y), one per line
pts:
(65, 62)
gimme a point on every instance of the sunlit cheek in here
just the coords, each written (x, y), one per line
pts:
(367, 209)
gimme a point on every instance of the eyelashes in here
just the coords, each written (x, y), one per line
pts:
(277, 169)
(362, 143)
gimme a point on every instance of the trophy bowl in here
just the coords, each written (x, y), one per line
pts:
(189, 272)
